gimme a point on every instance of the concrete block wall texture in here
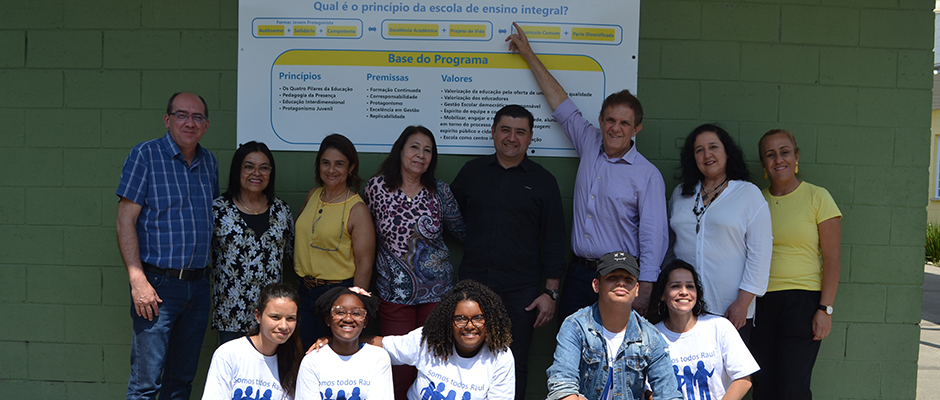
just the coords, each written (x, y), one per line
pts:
(84, 80)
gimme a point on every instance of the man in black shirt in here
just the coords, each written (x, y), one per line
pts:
(515, 230)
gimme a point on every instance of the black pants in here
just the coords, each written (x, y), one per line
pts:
(578, 291)
(515, 302)
(782, 343)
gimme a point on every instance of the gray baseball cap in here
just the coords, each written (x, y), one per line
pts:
(618, 260)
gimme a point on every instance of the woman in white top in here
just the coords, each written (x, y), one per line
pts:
(721, 225)
(264, 363)
(709, 358)
(346, 369)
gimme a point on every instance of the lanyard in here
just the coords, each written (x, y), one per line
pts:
(610, 380)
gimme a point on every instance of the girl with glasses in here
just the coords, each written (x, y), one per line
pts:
(346, 368)
(462, 351)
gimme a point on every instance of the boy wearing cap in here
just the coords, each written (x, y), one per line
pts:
(606, 351)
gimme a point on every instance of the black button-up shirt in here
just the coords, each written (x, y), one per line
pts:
(515, 223)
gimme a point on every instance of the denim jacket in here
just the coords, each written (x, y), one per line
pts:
(580, 365)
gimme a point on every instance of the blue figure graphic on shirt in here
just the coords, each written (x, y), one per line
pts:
(355, 394)
(689, 382)
(675, 370)
(237, 395)
(327, 394)
(466, 396)
(340, 395)
(428, 392)
(267, 395)
(701, 379)
(451, 396)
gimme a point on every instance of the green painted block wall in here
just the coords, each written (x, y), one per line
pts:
(84, 80)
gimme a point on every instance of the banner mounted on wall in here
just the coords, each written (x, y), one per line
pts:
(367, 70)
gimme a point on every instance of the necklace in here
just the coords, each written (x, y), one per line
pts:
(707, 192)
(342, 223)
(700, 211)
(251, 211)
(333, 200)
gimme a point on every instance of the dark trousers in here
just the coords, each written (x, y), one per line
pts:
(309, 326)
(522, 321)
(399, 319)
(578, 291)
(782, 343)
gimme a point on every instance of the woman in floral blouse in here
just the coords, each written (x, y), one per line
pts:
(253, 237)
(411, 209)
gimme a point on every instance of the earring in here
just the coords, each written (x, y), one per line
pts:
(765, 173)
(797, 170)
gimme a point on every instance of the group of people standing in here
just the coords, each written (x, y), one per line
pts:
(739, 282)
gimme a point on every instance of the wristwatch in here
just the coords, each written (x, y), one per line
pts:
(552, 293)
(827, 309)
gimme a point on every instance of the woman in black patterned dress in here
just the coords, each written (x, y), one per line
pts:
(252, 239)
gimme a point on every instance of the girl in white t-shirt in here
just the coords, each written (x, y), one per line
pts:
(461, 352)
(264, 363)
(346, 368)
(709, 358)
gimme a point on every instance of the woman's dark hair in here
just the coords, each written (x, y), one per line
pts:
(325, 303)
(343, 145)
(290, 352)
(658, 310)
(391, 167)
(235, 173)
(438, 332)
(689, 174)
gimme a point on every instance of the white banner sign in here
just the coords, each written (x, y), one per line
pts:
(367, 70)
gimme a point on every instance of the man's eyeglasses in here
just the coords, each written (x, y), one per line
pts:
(461, 321)
(183, 115)
(340, 312)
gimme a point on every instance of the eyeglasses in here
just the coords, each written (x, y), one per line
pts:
(340, 312)
(249, 168)
(183, 115)
(461, 321)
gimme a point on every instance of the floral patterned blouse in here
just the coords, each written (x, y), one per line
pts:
(411, 258)
(243, 263)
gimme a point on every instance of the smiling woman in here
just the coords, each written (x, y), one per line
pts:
(709, 358)
(721, 225)
(252, 239)
(411, 210)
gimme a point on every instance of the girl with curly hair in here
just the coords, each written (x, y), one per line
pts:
(345, 367)
(462, 351)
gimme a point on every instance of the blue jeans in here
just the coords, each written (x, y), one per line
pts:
(165, 351)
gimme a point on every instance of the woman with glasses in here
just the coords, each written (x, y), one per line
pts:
(411, 210)
(335, 240)
(252, 239)
(345, 369)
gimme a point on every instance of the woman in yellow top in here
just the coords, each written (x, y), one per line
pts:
(334, 243)
(796, 313)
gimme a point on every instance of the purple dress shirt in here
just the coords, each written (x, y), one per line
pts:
(619, 204)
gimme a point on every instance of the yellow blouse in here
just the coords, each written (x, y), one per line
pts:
(322, 244)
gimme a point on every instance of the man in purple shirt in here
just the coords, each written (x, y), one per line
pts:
(619, 196)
